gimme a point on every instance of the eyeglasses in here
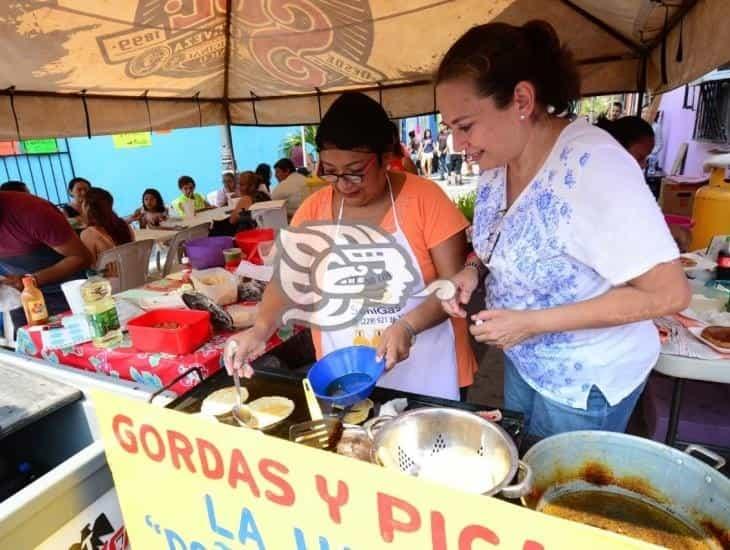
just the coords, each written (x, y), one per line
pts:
(352, 178)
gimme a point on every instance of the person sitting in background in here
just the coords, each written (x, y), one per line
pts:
(77, 188)
(292, 186)
(616, 111)
(35, 239)
(14, 185)
(186, 184)
(263, 171)
(104, 229)
(248, 191)
(152, 211)
(228, 189)
(634, 133)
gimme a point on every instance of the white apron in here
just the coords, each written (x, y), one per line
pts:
(431, 367)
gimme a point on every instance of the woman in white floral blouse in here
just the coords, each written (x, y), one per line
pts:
(577, 255)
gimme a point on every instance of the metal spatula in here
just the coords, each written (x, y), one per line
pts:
(320, 432)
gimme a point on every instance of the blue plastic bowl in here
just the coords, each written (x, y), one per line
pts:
(346, 376)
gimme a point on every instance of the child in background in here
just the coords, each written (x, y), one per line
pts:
(152, 211)
(186, 184)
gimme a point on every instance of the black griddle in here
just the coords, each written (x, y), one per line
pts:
(271, 380)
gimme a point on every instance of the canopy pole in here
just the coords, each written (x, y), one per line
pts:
(303, 137)
(641, 83)
(228, 155)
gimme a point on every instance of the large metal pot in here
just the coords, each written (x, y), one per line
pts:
(668, 479)
(454, 447)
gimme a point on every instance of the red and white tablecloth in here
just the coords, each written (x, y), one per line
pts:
(155, 370)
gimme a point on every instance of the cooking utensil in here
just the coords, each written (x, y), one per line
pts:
(453, 447)
(345, 376)
(240, 411)
(697, 494)
(320, 432)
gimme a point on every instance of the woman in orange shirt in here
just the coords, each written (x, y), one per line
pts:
(419, 234)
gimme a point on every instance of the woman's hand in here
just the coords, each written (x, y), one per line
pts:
(395, 345)
(466, 282)
(243, 347)
(503, 328)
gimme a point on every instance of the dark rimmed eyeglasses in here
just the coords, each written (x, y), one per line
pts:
(352, 178)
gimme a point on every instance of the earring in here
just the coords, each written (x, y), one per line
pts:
(522, 117)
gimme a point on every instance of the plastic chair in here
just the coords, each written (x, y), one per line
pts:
(129, 264)
(175, 250)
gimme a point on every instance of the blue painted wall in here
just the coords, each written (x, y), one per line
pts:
(195, 152)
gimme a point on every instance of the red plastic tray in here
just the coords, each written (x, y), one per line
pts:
(195, 330)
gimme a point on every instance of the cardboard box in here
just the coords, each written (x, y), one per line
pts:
(678, 192)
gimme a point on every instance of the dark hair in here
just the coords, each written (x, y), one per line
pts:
(627, 130)
(160, 203)
(497, 56)
(99, 213)
(73, 181)
(355, 121)
(263, 170)
(429, 133)
(182, 180)
(617, 104)
(285, 164)
(304, 171)
(412, 134)
(397, 148)
(14, 185)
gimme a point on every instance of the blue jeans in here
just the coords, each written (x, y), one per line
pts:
(545, 417)
(444, 164)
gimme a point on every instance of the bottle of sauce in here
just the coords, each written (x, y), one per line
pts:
(101, 311)
(34, 305)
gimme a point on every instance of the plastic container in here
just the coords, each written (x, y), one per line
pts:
(207, 251)
(193, 331)
(248, 242)
(711, 205)
(352, 371)
(34, 304)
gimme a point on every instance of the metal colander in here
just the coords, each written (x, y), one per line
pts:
(470, 452)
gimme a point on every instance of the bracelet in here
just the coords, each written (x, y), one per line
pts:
(409, 328)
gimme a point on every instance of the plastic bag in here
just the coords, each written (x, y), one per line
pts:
(216, 283)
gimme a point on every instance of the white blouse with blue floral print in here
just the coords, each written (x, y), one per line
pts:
(586, 223)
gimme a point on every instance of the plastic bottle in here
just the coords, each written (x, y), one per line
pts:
(101, 311)
(34, 305)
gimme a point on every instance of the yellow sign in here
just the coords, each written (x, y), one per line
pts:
(132, 139)
(187, 483)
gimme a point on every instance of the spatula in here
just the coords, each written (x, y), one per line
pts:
(320, 432)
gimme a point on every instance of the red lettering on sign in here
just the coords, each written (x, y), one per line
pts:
(532, 545)
(268, 469)
(438, 531)
(125, 438)
(211, 461)
(147, 432)
(476, 532)
(180, 447)
(239, 471)
(334, 502)
(386, 517)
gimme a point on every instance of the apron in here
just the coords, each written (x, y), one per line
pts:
(431, 367)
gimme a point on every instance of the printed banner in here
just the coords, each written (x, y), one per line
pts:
(132, 139)
(187, 483)
(40, 146)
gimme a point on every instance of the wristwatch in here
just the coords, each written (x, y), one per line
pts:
(409, 328)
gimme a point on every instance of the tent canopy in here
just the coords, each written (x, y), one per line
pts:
(74, 67)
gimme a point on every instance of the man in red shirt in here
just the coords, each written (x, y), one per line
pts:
(36, 239)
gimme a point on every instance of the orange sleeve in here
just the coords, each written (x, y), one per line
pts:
(441, 218)
(311, 208)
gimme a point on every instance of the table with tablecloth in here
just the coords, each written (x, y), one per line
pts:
(156, 370)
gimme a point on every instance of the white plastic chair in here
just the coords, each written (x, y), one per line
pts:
(175, 249)
(212, 198)
(131, 264)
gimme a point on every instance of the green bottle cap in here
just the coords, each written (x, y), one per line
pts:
(91, 273)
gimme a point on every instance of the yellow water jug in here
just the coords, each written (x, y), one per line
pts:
(711, 210)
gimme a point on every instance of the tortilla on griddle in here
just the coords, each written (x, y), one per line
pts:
(271, 410)
(222, 401)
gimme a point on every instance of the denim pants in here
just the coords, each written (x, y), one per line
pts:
(545, 417)
(444, 165)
